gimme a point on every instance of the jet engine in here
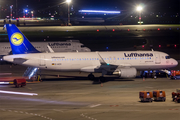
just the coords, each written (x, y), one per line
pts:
(126, 72)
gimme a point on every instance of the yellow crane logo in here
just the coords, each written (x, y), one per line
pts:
(17, 39)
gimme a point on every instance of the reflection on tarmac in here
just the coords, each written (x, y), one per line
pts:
(40, 100)
(18, 93)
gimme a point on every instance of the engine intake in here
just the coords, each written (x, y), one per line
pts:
(126, 72)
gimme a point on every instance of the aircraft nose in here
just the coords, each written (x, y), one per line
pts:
(87, 49)
(175, 62)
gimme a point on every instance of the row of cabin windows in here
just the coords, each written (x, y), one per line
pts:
(35, 47)
(77, 59)
(10, 47)
(59, 47)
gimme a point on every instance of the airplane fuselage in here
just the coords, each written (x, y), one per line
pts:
(90, 61)
(5, 48)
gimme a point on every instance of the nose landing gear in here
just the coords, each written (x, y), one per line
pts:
(91, 76)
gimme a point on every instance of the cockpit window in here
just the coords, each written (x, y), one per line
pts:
(82, 46)
(167, 57)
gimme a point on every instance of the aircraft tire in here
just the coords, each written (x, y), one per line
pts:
(91, 77)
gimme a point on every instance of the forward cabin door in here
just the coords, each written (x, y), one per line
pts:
(42, 61)
(2, 49)
(74, 47)
(157, 59)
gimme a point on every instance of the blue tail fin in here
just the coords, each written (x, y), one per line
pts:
(19, 43)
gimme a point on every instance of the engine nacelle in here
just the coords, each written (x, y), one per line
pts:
(126, 72)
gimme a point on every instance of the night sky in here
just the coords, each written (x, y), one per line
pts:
(157, 5)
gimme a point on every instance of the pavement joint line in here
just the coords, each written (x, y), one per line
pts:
(87, 116)
(28, 113)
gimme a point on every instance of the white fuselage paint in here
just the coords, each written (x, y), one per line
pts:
(91, 60)
(5, 48)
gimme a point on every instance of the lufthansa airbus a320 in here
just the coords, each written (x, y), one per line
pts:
(122, 63)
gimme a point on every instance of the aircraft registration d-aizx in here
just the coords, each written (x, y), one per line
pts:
(122, 63)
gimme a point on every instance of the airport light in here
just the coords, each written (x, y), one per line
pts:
(100, 11)
(139, 9)
(11, 11)
(68, 2)
(32, 14)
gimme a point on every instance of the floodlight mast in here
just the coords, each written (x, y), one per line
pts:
(139, 9)
(68, 2)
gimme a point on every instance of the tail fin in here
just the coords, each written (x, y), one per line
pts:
(19, 43)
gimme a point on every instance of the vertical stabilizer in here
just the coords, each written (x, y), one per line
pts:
(19, 43)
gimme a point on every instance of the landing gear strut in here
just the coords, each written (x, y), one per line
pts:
(154, 74)
(102, 79)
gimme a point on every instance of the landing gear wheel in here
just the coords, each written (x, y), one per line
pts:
(91, 77)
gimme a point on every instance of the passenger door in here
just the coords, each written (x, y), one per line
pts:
(2, 49)
(42, 61)
(157, 59)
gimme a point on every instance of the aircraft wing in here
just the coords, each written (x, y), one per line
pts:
(51, 50)
(110, 67)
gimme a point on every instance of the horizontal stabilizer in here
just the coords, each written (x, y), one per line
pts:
(19, 60)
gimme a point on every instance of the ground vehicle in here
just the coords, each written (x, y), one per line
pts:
(159, 95)
(175, 74)
(146, 96)
(176, 96)
(18, 82)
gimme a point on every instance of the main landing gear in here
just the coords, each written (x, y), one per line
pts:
(100, 79)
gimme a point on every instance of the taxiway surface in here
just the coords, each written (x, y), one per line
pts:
(80, 99)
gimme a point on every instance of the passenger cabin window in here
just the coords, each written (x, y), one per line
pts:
(167, 57)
